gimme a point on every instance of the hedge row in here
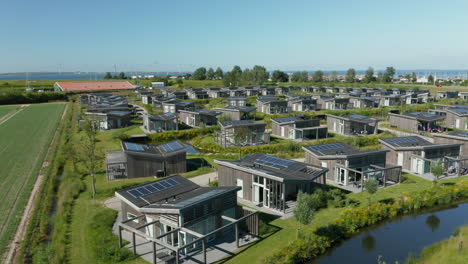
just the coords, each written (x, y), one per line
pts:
(31, 97)
(309, 246)
(290, 146)
(187, 134)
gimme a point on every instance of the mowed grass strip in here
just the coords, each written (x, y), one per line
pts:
(24, 140)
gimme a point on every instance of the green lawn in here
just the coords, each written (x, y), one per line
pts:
(287, 228)
(23, 144)
(6, 109)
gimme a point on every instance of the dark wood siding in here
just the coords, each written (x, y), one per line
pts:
(228, 177)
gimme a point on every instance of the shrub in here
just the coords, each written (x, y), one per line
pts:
(31, 97)
(104, 243)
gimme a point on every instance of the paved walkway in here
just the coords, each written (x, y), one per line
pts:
(204, 179)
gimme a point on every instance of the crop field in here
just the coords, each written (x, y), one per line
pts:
(24, 140)
(4, 110)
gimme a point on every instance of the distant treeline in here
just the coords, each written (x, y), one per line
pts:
(31, 97)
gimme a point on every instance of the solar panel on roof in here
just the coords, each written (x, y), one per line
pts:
(358, 116)
(403, 140)
(274, 162)
(172, 146)
(152, 188)
(134, 147)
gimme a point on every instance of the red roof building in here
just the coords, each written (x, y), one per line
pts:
(93, 86)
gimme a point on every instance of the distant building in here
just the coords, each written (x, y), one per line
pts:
(271, 105)
(157, 84)
(415, 154)
(446, 94)
(89, 86)
(254, 135)
(352, 124)
(110, 120)
(415, 122)
(146, 160)
(239, 101)
(160, 123)
(237, 112)
(297, 128)
(198, 117)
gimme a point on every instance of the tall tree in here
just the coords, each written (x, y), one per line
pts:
(247, 77)
(318, 76)
(437, 170)
(369, 76)
(210, 74)
(233, 78)
(388, 75)
(304, 210)
(108, 75)
(90, 155)
(122, 75)
(279, 76)
(302, 76)
(334, 76)
(219, 73)
(414, 78)
(430, 79)
(350, 75)
(371, 187)
(199, 74)
(259, 75)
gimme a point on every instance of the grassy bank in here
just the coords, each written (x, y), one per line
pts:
(452, 250)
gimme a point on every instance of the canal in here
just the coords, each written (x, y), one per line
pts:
(395, 240)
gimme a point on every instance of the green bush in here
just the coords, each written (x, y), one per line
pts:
(103, 242)
(180, 134)
(31, 97)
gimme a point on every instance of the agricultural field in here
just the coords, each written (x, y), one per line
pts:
(5, 110)
(24, 141)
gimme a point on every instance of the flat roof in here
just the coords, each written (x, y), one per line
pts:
(163, 149)
(277, 168)
(174, 192)
(424, 116)
(337, 150)
(411, 141)
(289, 119)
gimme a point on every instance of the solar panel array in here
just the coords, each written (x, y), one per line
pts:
(273, 162)
(134, 147)
(459, 110)
(403, 140)
(171, 146)
(286, 119)
(327, 146)
(200, 197)
(357, 116)
(236, 122)
(152, 188)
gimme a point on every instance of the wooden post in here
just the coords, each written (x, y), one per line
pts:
(177, 260)
(134, 243)
(204, 250)
(237, 234)
(120, 237)
(154, 253)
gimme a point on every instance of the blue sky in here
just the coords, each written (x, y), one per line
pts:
(173, 35)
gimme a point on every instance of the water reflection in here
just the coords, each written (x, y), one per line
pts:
(433, 222)
(368, 242)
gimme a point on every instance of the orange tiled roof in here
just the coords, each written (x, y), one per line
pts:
(99, 85)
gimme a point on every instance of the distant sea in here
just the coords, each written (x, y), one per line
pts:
(65, 76)
(463, 74)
